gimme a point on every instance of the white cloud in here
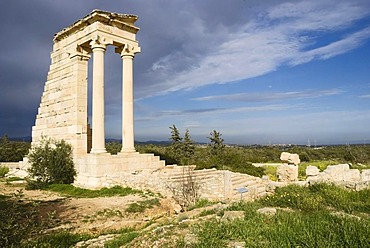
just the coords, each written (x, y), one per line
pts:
(212, 111)
(333, 49)
(282, 34)
(364, 96)
(271, 96)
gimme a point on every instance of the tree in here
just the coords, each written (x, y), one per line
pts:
(186, 191)
(176, 144)
(217, 148)
(217, 143)
(12, 151)
(51, 162)
(188, 149)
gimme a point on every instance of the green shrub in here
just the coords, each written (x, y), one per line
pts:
(51, 162)
(12, 151)
(70, 190)
(201, 203)
(113, 147)
(139, 207)
(3, 171)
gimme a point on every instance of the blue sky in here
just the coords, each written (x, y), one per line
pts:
(259, 72)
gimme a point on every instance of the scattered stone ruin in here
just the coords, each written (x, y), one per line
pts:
(340, 174)
(288, 171)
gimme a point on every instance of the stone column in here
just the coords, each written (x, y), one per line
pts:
(127, 55)
(98, 133)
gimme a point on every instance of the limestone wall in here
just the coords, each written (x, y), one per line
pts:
(62, 113)
(213, 184)
(341, 175)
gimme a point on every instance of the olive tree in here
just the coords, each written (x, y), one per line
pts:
(51, 163)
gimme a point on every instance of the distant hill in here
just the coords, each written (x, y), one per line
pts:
(153, 142)
(24, 139)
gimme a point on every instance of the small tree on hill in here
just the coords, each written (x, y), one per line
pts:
(188, 149)
(51, 162)
(176, 144)
(217, 143)
(217, 146)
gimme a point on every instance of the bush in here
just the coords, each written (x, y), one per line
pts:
(139, 207)
(3, 171)
(12, 151)
(51, 163)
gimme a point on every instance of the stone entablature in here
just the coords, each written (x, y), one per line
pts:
(124, 22)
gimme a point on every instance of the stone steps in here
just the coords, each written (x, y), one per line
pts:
(256, 187)
(201, 175)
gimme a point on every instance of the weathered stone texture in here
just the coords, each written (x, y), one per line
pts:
(287, 173)
(267, 211)
(340, 174)
(290, 158)
(232, 215)
(312, 171)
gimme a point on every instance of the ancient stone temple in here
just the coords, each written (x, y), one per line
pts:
(63, 114)
(63, 111)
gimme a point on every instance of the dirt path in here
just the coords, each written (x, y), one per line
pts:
(86, 215)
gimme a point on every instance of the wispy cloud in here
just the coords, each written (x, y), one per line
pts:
(270, 96)
(213, 111)
(364, 96)
(342, 46)
(284, 34)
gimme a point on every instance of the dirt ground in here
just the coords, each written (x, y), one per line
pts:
(87, 215)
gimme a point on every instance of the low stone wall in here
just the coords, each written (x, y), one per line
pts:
(16, 169)
(10, 165)
(340, 174)
(212, 184)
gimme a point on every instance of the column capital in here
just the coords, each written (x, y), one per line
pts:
(99, 42)
(127, 50)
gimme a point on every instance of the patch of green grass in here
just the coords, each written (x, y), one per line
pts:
(18, 221)
(56, 240)
(318, 196)
(121, 240)
(207, 212)
(312, 224)
(295, 197)
(71, 191)
(343, 199)
(286, 229)
(321, 164)
(12, 179)
(3, 171)
(201, 203)
(140, 206)
(107, 212)
(271, 172)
